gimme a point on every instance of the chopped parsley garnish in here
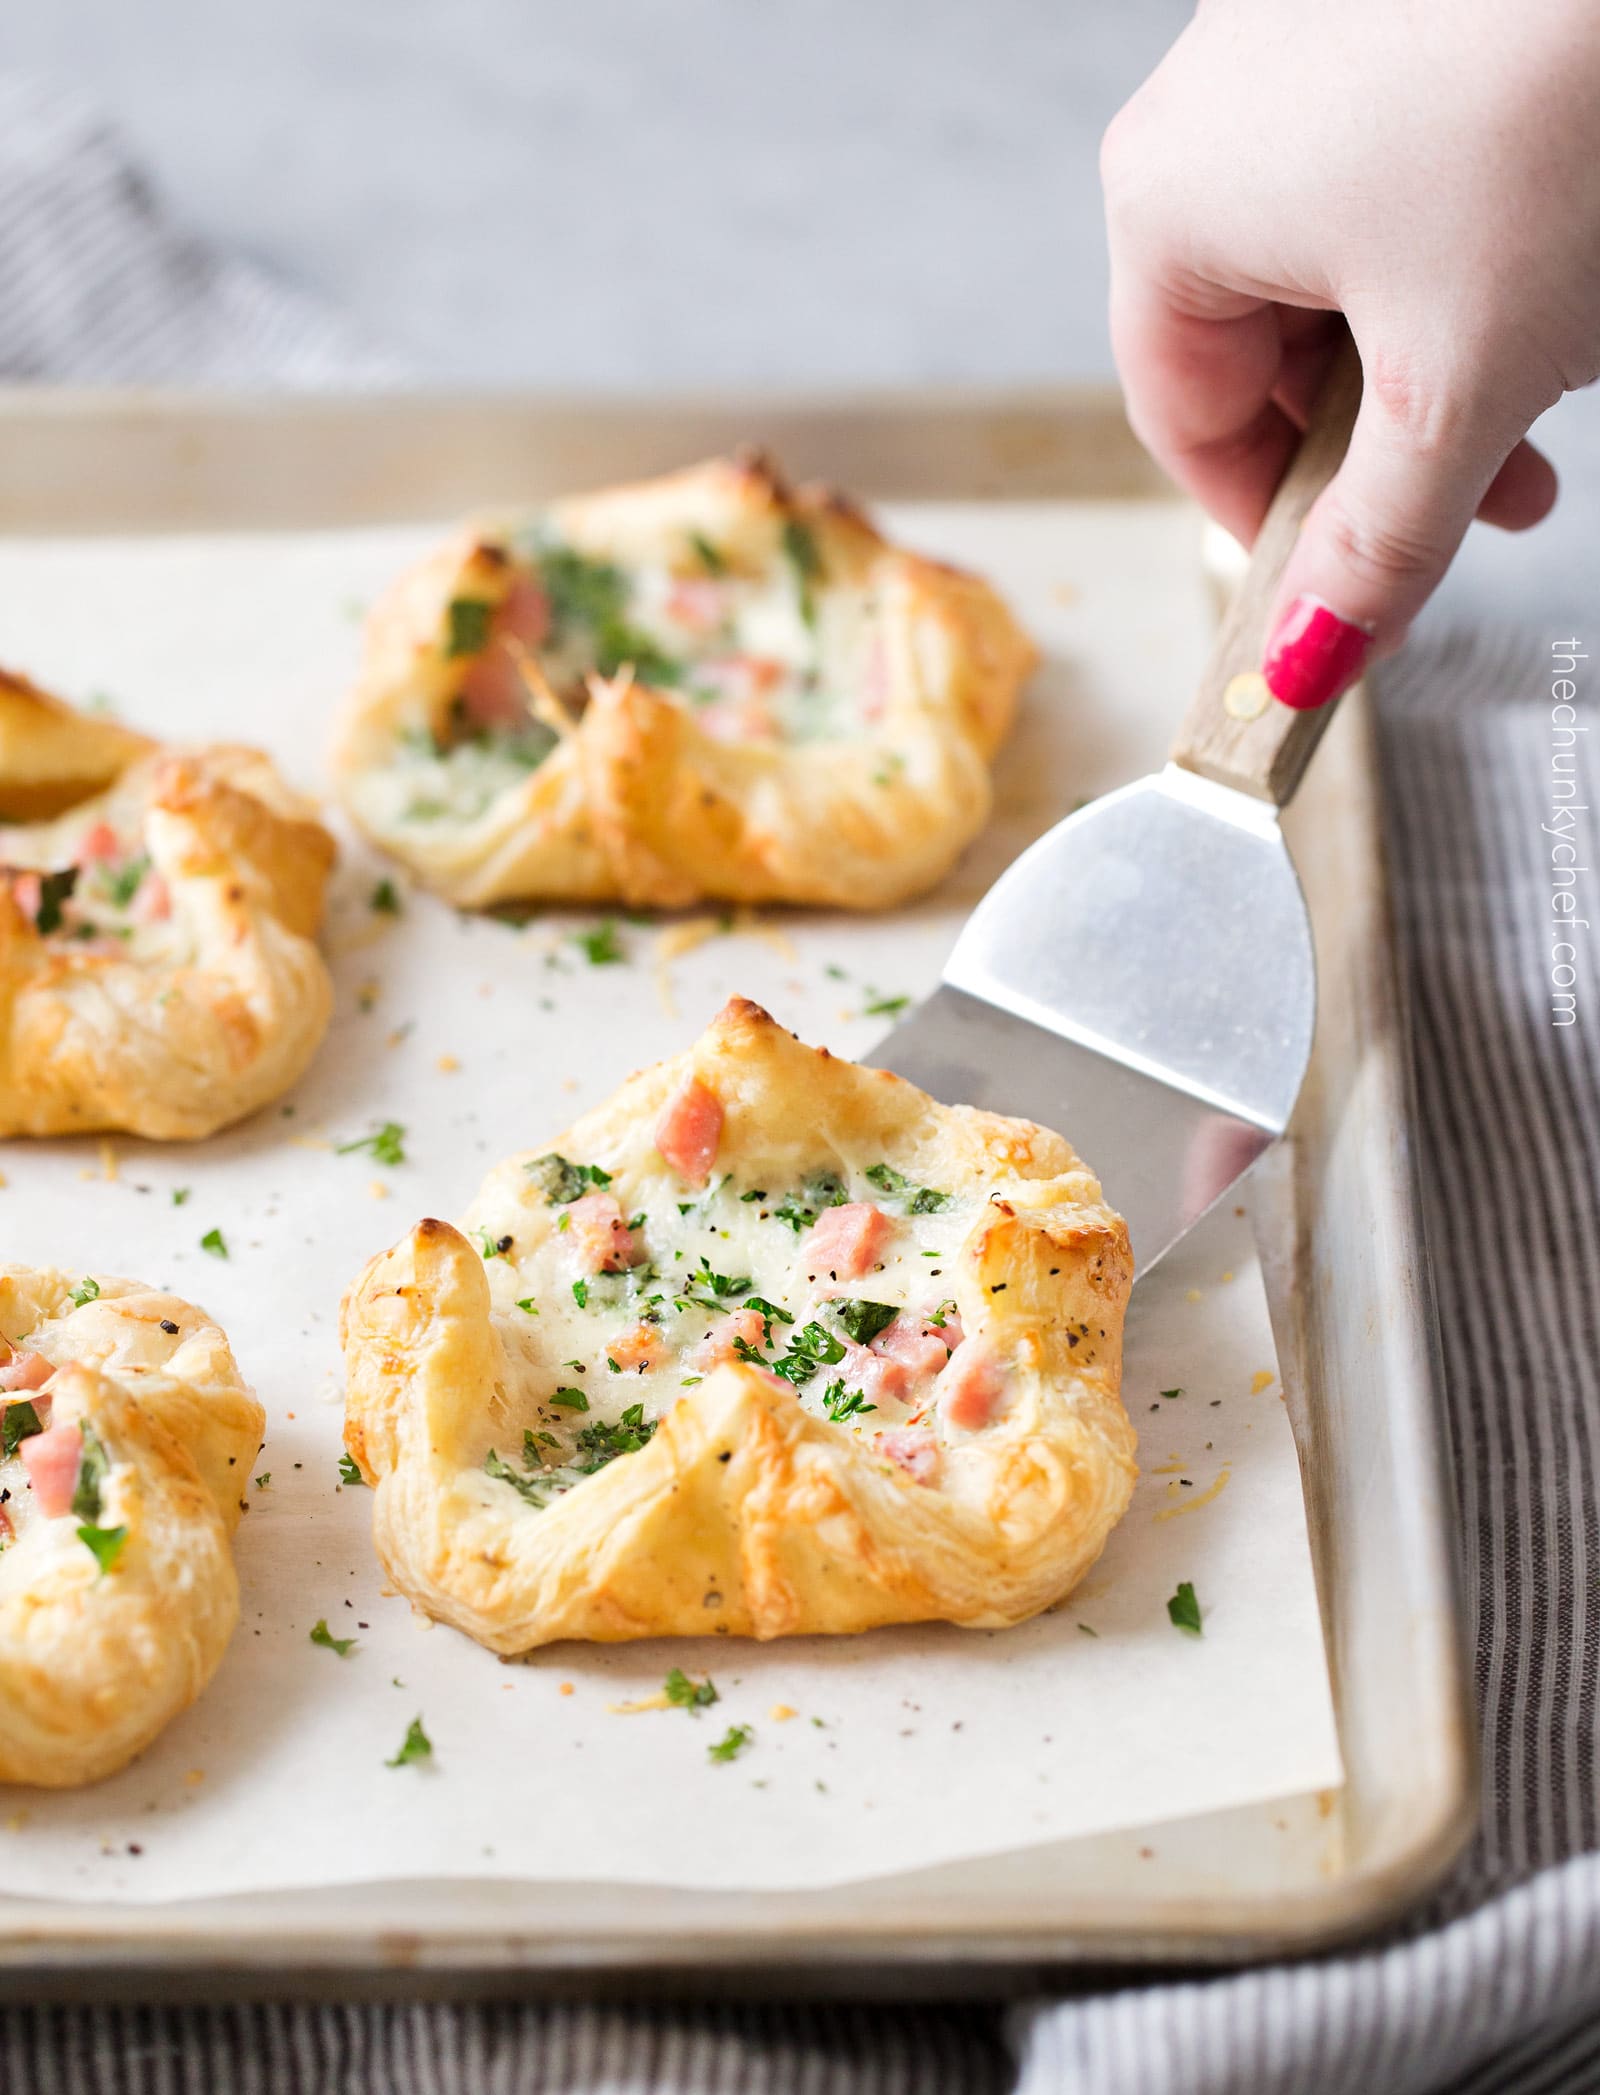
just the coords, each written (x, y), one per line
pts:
(54, 890)
(562, 1183)
(329, 1642)
(594, 594)
(840, 1404)
(350, 1470)
(692, 1695)
(468, 619)
(491, 1246)
(599, 1444)
(385, 900)
(180, 1194)
(800, 550)
(774, 1312)
(415, 1746)
(863, 1320)
(755, 1193)
(529, 1306)
(707, 555)
(214, 1242)
(87, 1290)
(1172, 1392)
(534, 1489)
(385, 1145)
(93, 1466)
(810, 1348)
(824, 1189)
(122, 885)
(580, 1293)
(581, 591)
(18, 1422)
(601, 947)
(1183, 1610)
(884, 1007)
(721, 1285)
(105, 1544)
(595, 1446)
(263, 1480)
(917, 1200)
(732, 1743)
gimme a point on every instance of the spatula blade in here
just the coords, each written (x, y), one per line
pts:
(1163, 1156)
(1141, 979)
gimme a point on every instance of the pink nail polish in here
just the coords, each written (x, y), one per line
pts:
(1312, 654)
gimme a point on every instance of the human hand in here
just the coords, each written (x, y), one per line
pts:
(1427, 170)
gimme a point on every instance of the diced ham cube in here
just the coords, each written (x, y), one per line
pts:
(642, 1347)
(697, 602)
(99, 844)
(601, 1240)
(875, 678)
(914, 1448)
(688, 1130)
(718, 1346)
(740, 676)
(493, 691)
(970, 1389)
(26, 1371)
(879, 1380)
(845, 1242)
(51, 1459)
(738, 720)
(920, 1347)
(152, 902)
(523, 614)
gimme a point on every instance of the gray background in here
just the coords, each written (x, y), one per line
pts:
(637, 193)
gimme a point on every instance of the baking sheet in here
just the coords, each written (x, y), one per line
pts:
(908, 1747)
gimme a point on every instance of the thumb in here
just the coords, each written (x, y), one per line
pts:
(1376, 543)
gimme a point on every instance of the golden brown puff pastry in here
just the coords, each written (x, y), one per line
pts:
(770, 1344)
(157, 966)
(125, 1440)
(52, 756)
(701, 686)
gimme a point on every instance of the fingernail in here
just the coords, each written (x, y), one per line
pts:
(1312, 654)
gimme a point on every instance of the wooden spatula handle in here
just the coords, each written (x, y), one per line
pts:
(1235, 730)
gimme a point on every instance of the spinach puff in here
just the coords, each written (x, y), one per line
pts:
(157, 916)
(126, 1436)
(702, 686)
(770, 1344)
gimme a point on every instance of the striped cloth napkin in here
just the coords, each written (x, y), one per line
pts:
(1496, 1987)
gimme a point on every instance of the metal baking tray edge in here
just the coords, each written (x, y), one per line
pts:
(1339, 1206)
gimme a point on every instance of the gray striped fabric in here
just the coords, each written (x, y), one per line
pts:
(98, 286)
(1497, 1987)
(1510, 1145)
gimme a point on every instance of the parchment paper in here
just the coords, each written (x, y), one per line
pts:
(906, 1748)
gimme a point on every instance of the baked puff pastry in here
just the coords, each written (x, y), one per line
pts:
(701, 686)
(125, 1437)
(771, 1344)
(157, 966)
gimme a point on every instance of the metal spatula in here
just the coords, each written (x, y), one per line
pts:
(1142, 978)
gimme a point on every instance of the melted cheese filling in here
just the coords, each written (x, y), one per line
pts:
(774, 656)
(703, 1259)
(117, 906)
